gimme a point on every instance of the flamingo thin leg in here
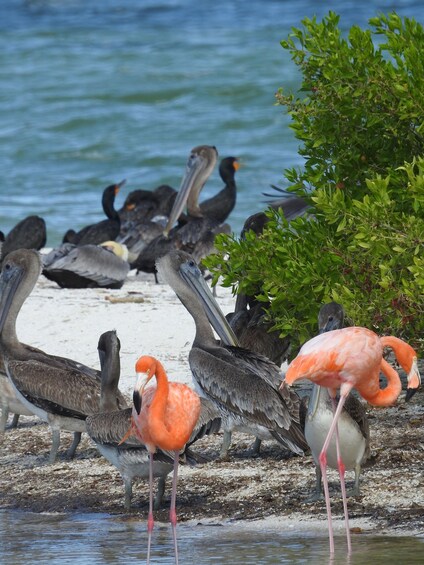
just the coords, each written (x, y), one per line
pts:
(150, 519)
(344, 391)
(172, 512)
(342, 470)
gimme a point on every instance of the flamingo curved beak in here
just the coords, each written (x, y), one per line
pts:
(141, 382)
(414, 380)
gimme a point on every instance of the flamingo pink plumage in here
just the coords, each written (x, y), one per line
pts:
(163, 417)
(352, 358)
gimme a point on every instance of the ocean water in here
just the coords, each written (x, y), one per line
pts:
(94, 91)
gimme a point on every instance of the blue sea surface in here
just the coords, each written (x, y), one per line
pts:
(94, 91)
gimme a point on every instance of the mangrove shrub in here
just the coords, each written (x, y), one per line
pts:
(359, 116)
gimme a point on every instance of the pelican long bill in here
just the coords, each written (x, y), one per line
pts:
(198, 170)
(8, 290)
(193, 276)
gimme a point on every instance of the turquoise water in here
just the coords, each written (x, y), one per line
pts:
(98, 539)
(94, 91)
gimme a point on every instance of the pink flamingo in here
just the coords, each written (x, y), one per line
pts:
(163, 417)
(352, 358)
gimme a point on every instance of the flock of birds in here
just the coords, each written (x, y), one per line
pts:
(149, 224)
(238, 375)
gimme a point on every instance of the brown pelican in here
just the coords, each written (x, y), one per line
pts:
(9, 402)
(216, 208)
(243, 385)
(29, 233)
(199, 166)
(101, 231)
(87, 266)
(107, 428)
(146, 237)
(220, 206)
(353, 428)
(60, 391)
(198, 229)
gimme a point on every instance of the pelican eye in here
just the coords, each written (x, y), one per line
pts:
(7, 266)
(192, 263)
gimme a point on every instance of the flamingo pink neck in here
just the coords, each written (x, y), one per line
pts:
(386, 396)
(157, 426)
(403, 352)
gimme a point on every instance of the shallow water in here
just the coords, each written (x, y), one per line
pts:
(96, 539)
(101, 90)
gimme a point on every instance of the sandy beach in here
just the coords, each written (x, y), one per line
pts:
(270, 490)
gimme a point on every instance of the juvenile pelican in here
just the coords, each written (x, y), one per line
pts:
(243, 385)
(62, 392)
(199, 167)
(195, 229)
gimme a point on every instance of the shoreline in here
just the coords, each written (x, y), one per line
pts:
(264, 492)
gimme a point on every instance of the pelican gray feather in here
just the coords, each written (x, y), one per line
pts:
(87, 266)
